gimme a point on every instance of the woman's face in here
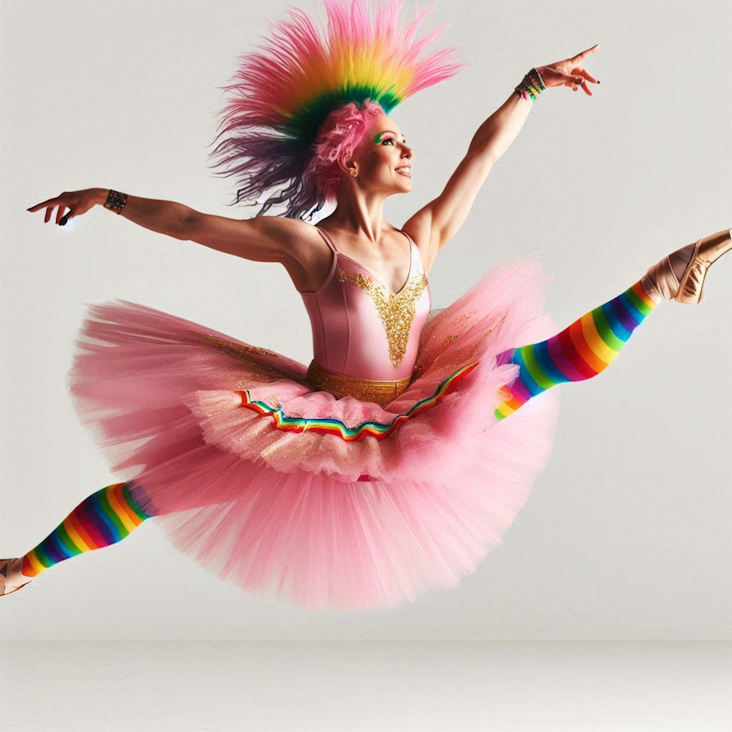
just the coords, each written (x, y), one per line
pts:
(384, 159)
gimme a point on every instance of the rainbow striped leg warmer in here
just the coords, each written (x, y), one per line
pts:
(579, 352)
(103, 518)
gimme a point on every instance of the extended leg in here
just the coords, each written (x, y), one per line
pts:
(101, 519)
(579, 352)
(590, 344)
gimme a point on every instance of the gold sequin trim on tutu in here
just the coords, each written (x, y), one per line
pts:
(245, 352)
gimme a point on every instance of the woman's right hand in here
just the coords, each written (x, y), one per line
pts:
(570, 72)
(77, 203)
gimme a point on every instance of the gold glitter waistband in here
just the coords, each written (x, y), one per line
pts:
(367, 390)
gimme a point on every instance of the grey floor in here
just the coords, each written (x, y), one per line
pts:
(562, 686)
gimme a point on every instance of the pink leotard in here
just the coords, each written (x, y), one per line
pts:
(361, 328)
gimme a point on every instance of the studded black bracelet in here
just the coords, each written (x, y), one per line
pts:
(116, 201)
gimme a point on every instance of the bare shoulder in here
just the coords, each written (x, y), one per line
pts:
(287, 237)
(297, 245)
(300, 249)
(291, 236)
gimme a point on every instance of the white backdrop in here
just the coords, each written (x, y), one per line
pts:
(626, 534)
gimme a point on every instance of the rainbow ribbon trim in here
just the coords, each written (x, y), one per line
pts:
(378, 430)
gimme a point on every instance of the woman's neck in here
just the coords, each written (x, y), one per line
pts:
(361, 219)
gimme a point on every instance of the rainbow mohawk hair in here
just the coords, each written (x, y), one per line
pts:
(284, 92)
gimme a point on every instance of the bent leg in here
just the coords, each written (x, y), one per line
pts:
(101, 519)
(581, 351)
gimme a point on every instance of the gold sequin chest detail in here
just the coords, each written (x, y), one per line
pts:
(396, 309)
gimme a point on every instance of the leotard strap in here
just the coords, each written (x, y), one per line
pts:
(328, 240)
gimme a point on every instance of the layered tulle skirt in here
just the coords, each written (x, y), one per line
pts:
(325, 502)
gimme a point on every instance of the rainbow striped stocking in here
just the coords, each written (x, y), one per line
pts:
(579, 352)
(104, 518)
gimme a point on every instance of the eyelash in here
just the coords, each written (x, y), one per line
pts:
(391, 139)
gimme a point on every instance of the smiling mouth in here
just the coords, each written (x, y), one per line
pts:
(406, 172)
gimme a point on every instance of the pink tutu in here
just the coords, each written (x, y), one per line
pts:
(330, 503)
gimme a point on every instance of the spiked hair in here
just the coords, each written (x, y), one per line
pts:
(283, 93)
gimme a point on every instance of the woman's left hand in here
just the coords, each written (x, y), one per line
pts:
(570, 72)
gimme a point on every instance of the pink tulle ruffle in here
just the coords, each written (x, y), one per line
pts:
(277, 497)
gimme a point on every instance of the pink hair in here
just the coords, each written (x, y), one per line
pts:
(283, 93)
(340, 136)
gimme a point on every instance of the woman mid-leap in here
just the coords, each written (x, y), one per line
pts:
(387, 466)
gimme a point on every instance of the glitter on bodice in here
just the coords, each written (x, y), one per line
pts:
(360, 327)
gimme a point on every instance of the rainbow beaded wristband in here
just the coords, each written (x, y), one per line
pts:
(531, 85)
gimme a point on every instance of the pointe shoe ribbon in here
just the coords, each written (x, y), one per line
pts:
(10, 572)
(661, 278)
(706, 252)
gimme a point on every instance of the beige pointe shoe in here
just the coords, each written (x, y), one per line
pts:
(688, 290)
(11, 577)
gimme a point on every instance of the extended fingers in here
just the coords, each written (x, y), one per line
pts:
(49, 205)
(63, 213)
(589, 77)
(50, 202)
(60, 213)
(573, 80)
(582, 56)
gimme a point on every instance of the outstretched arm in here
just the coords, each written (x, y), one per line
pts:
(262, 239)
(439, 220)
(163, 217)
(497, 133)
